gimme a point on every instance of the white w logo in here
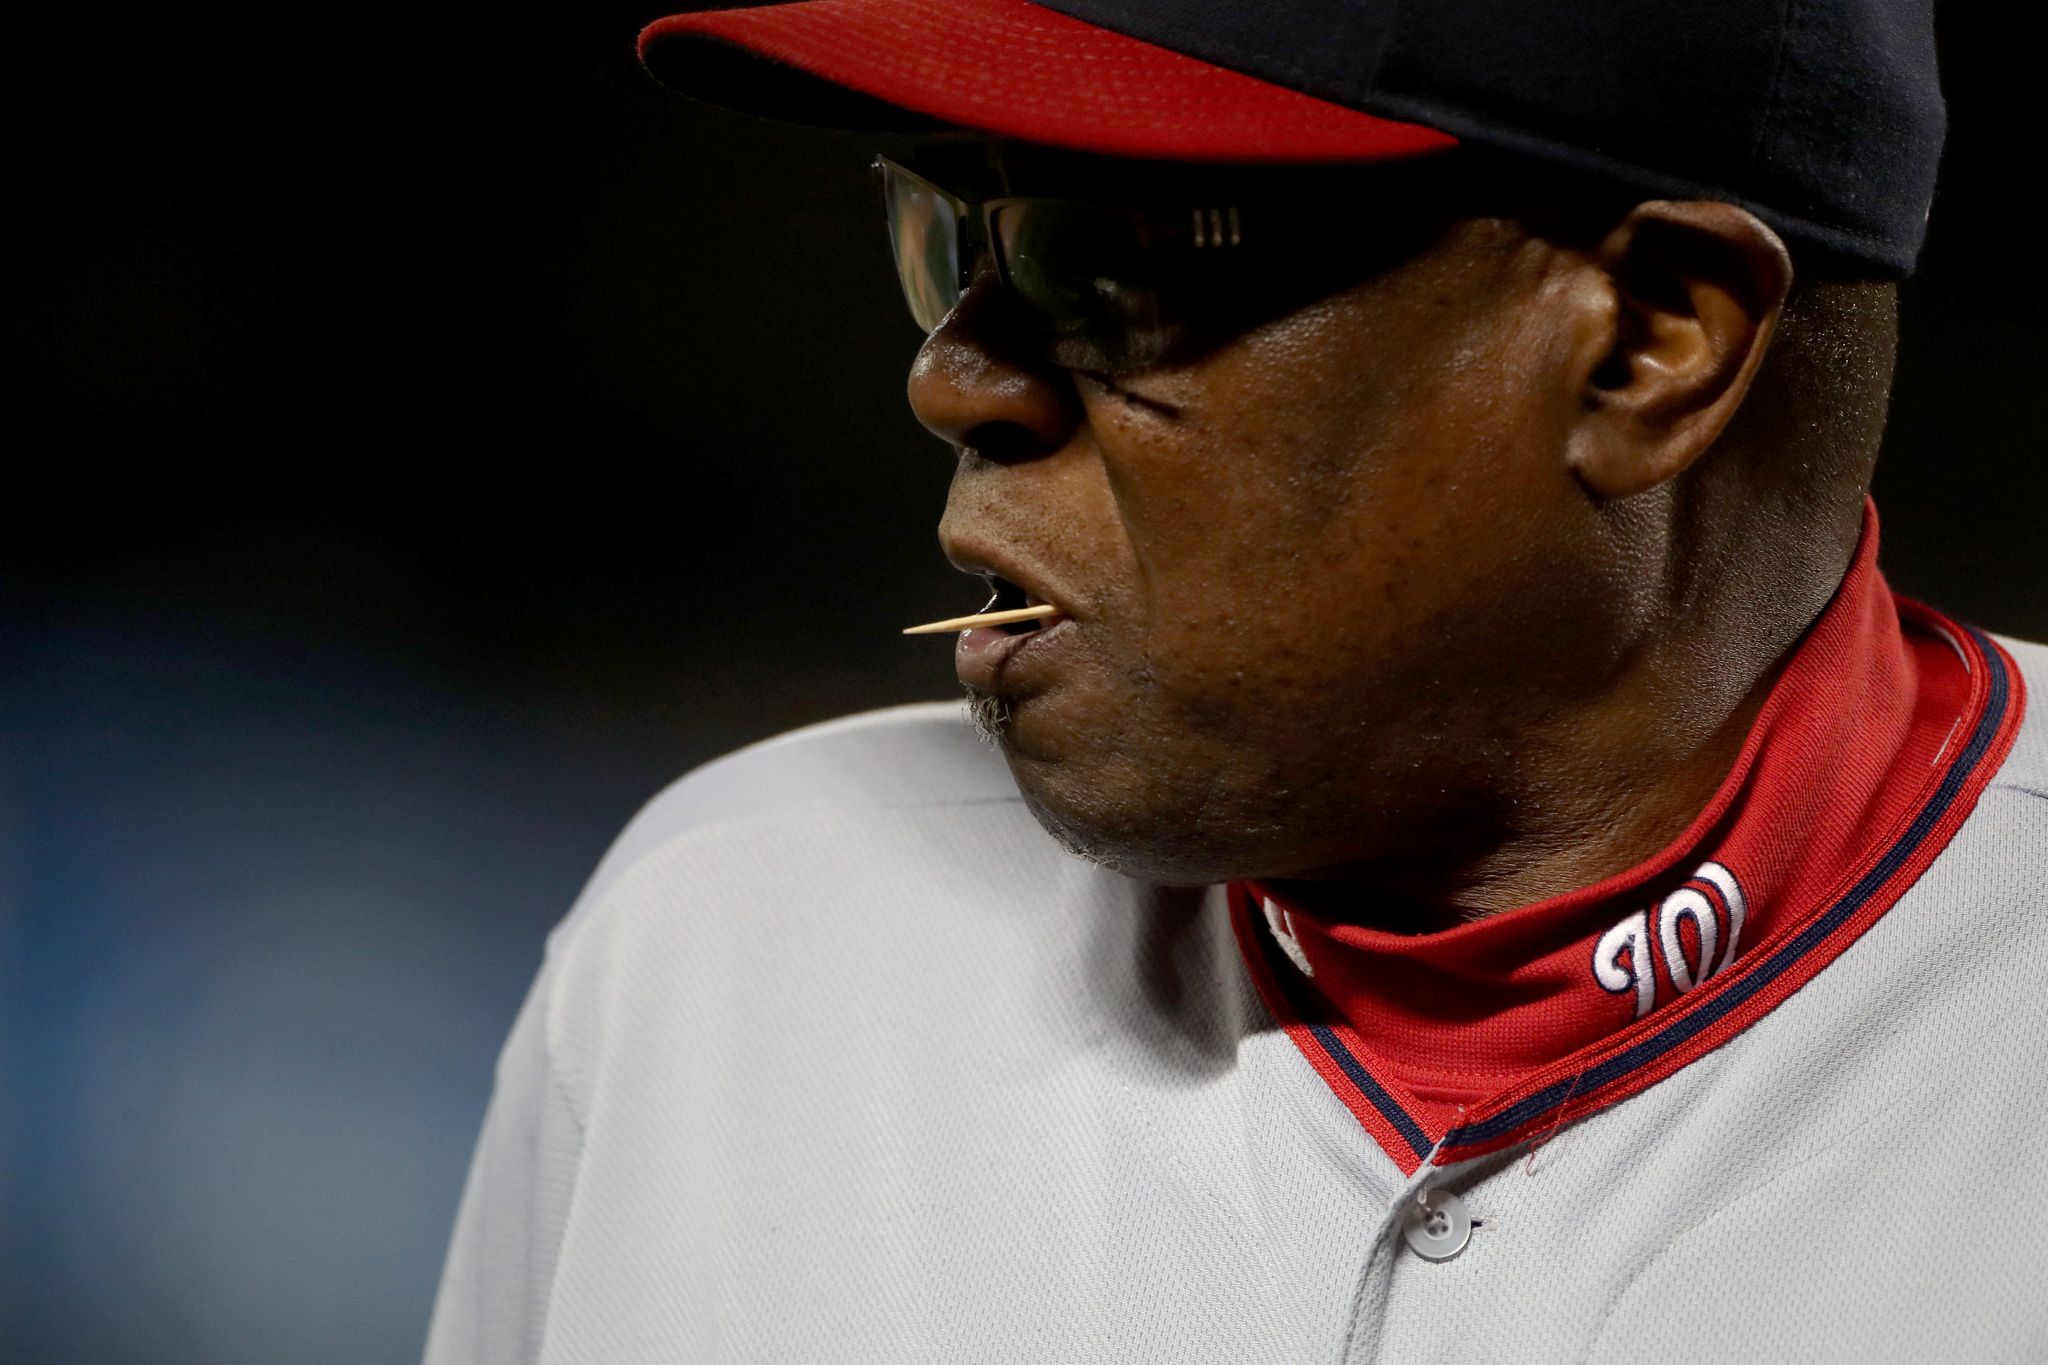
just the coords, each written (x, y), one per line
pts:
(1623, 960)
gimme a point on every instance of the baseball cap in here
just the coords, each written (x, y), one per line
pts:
(1823, 117)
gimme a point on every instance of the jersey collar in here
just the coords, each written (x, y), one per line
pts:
(1872, 746)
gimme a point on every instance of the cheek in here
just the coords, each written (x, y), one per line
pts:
(1333, 506)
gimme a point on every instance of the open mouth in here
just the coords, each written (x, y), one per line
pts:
(987, 646)
(1007, 596)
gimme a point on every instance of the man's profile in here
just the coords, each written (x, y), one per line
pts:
(1453, 852)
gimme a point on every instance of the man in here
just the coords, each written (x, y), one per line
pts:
(1538, 895)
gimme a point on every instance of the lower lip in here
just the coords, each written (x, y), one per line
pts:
(982, 654)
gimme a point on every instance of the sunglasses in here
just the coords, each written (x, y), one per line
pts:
(1097, 286)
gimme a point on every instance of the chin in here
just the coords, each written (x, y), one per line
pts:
(1149, 833)
(1147, 859)
(1156, 803)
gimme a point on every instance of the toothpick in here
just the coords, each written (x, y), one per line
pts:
(987, 618)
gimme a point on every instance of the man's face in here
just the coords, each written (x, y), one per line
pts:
(1316, 571)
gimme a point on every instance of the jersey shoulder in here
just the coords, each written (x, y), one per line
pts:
(924, 755)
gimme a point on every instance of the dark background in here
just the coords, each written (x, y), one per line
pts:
(426, 438)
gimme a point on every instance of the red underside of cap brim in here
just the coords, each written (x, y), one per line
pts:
(1018, 70)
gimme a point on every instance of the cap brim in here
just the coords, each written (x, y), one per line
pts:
(1008, 68)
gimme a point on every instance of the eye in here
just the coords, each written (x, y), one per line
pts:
(1085, 273)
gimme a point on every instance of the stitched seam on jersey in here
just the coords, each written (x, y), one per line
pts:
(561, 1071)
(555, 1080)
(1671, 1243)
(547, 982)
(538, 1312)
(572, 1207)
(537, 1334)
(1384, 1251)
(1382, 1248)
(2019, 787)
(560, 1086)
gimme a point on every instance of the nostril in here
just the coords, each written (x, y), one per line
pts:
(1007, 442)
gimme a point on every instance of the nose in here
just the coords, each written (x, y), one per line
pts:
(975, 386)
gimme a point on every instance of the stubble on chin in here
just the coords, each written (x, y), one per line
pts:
(990, 715)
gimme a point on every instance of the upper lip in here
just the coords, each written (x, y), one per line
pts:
(991, 564)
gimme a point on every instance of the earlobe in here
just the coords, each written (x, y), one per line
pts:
(1691, 292)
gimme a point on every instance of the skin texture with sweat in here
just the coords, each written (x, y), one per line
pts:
(1424, 590)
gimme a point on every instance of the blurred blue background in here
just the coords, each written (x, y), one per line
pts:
(429, 439)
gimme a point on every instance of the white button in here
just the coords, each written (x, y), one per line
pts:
(1437, 1225)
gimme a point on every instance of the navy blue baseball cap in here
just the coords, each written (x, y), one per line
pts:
(1823, 117)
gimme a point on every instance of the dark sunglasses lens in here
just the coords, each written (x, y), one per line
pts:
(924, 233)
(1084, 273)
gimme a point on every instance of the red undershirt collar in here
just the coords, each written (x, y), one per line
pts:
(1868, 753)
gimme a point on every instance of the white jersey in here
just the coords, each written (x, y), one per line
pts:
(840, 1058)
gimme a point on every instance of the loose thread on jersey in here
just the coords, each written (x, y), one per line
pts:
(1529, 1167)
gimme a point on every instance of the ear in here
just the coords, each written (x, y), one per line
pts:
(1688, 296)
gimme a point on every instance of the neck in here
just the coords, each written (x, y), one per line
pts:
(1604, 793)
(1590, 791)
